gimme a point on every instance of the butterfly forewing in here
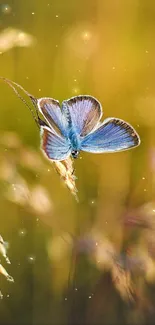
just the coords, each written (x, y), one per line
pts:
(113, 135)
(50, 109)
(54, 146)
(82, 112)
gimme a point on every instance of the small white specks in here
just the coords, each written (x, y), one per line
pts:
(145, 190)
(96, 244)
(8, 296)
(57, 16)
(76, 90)
(153, 210)
(90, 297)
(6, 9)
(65, 298)
(22, 232)
(143, 178)
(86, 36)
(14, 187)
(31, 259)
(76, 289)
(33, 13)
(146, 51)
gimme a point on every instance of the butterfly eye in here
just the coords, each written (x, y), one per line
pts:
(75, 153)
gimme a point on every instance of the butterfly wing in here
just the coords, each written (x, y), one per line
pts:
(113, 135)
(50, 109)
(83, 113)
(54, 146)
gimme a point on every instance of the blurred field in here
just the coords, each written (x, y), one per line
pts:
(91, 262)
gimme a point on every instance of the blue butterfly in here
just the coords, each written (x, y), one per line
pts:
(76, 126)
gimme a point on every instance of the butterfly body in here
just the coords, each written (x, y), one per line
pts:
(75, 142)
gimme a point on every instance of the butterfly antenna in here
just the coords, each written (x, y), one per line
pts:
(33, 99)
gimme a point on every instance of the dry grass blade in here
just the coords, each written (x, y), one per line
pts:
(123, 283)
(5, 273)
(3, 249)
(66, 171)
(13, 84)
(12, 37)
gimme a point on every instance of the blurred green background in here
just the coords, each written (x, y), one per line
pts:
(90, 262)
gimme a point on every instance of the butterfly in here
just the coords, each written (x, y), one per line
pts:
(76, 126)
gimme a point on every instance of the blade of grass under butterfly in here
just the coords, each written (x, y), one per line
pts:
(65, 170)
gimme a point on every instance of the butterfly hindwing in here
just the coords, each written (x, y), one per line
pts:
(83, 113)
(112, 135)
(54, 146)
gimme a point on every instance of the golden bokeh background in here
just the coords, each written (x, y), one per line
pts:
(91, 262)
